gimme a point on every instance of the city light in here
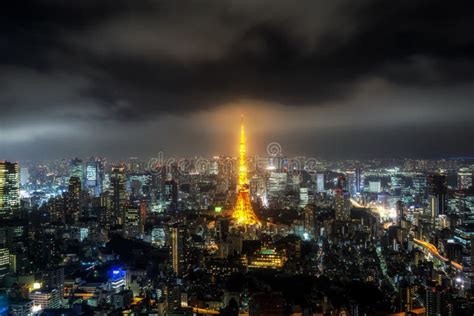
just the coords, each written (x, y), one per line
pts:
(128, 185)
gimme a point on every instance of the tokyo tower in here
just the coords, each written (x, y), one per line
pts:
(243, 212)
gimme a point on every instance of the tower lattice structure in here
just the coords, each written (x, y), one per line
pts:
(243, 211)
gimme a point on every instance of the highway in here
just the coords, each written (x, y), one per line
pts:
(434, 251)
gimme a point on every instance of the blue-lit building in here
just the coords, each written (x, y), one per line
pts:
(117, 279)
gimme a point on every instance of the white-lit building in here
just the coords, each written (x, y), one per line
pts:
(320, 182)
(375, 186)
(303, 197)
(4, 262)
(43, 299)
(277, 184)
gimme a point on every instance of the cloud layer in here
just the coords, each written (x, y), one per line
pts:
(81, 72)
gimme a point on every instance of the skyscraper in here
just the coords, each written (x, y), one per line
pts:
(437, 191)
(276, 184)
(132, 226)
(358, 180)
(464, 178)
(94, 176)
(309, 221)
(9, 189)
(73, 204)
(171, 195)
(24, 176)
(178, 249)
(119, 193)
(303, 197)
(342, 205)
(320, 182)
(243, 212)
(76, 169)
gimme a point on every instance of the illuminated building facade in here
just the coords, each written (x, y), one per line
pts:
(375, 186)
(464, 179)
(437, 191)
(277, 182)
(179, 249)
(73, 205)
(94, 176)
(243, 212)
(43, 299)
(9, 189)
(304, 198)
(267, 258)
(320, 182)
(117, 280)
(76, 168)
(4, 262)
(342, 205)
(171, 195)
(359, 182)
(133, 226)
(119, 193)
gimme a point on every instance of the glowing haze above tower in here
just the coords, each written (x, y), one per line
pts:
(243, 212)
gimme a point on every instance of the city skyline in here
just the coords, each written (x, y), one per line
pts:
(337, 80)
(236, 158)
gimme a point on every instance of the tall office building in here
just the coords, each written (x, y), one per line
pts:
(119, 193)
(303, 197)
(91, 173)
(309, 221)
(24, 176)
(437, 191)
(94, 176)
(419, 183)
(277, 182)
(76, 168)
(464, 179)
(359, 184)
(133, 224)
(171, 195)
(342, 205)
(106, 216)
(73, 201)
(351, 182)
(320, 182)
(9, 189)
(400, 212)
(179, 249)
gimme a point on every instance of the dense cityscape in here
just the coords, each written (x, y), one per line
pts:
(236, 158)
(237, 236)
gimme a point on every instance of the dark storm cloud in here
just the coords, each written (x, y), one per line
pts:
(136, 60)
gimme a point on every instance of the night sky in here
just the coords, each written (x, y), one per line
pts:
(333, 79)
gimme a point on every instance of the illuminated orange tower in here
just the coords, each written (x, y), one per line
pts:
(243, 212)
